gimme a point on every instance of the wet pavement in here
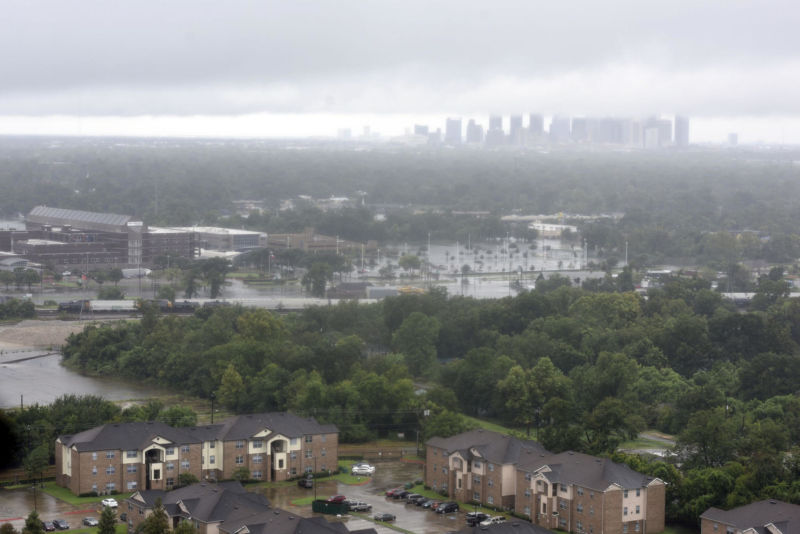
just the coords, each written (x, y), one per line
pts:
(16, 504)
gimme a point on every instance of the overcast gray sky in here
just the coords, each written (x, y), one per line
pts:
(160, 62)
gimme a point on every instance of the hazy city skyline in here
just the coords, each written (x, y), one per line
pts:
(250, 69)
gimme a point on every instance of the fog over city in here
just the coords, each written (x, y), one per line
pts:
(307, 68)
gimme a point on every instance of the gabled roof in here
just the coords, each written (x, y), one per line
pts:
(583, 470)
(284, 423)
(513, 526)
(282, 522)
(490, 446)
(125, 436)
(757, 515)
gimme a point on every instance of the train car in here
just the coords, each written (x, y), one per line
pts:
(114, 306)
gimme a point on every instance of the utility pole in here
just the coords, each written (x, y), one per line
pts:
(213, 396)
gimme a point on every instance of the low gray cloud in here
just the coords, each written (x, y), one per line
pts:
(91, 57)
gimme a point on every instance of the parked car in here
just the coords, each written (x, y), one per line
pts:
(360, 506)
(384, 517)
(446, 508)
(111, 503)
(307, 482)
(411, 498)
(362, 469)
(435, 505)
(337, 498)
(61, 524)
(493, 521)
(474, 518)
(431, 504)
(90, 521)
(48, 526)
(402, 494)
(391, 492)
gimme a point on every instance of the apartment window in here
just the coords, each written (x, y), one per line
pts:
(544, 507)
(257, 444)
(295, 442)
(444, 470)
(240, 460)
(294, 471)
(636, 526)
(562, 505)
(591, 495)
(280, 463)
(527, 510)
(294, 455)
(308, 453)
(323, 452)
(212, 445)
(476, 464)
(323, 467)
(131, 468)
(240, 444)
(476, 480)
(527, 492)
(579, 508)
(730, 530)
(491, 467)
(308, 469)
(94, 469)
(527, 476)
(716, 526)
(638, 509)
(625, 511)
(625, 528)
(255, 474)
(111, 486)
(490, 482)
(323, 438)
(625, 494)
(444, 486)
(185, 449)
(109, 454)
(476, 496)
(490, 499)
(170, 466)
(110, 470)
(170, 482)
(257, 459)
(563, 488)
(562, 523)
(94, 488)
(580, 491)
(171, 451)
(579, 526)
(185, 464)
(638, 491)
(131, 454)
(309, 439)
(538, 483)
(94, 456)
(212, 459)
(591, 510)
(131, 485)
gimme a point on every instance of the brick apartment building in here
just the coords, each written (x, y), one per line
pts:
(762, 517)
(569, 491)
(152, 456)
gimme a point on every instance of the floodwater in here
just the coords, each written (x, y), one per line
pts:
(35, 377)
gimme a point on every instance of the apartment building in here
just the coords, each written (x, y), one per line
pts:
(580, 493)
(478, 465)
(762, 517)
(152, 456)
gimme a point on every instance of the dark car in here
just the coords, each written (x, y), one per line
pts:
(412, 498)
(446, 508)
(48, 526)
(384, 517)
(307, 482)
(60, 524)
(473, 518)
(402, 494)
(337, 498)
(431, 504)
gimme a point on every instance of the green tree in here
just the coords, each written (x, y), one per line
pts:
(232, 389)
(33, 524)
(444, 424)
(36, 461)
(214, 271)
(7, 528)
(416, 339)
(178, 416)
(185, 527)
(7, 278)
(115, 275)
(187, 479)
(409, 262)
(31, 277)
(316, 278)
(108, 521)
(242, 474)
(110, 293)
(157, 522)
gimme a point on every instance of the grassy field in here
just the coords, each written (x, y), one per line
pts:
(54, 490)
(121, 528)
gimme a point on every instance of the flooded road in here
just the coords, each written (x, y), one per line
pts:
(43, 379)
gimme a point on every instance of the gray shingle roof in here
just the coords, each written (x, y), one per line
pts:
(757, 515)
(492, 446)
(282, 522)
(513, 526)
(287, 424)
(584, 470)
(125, 436)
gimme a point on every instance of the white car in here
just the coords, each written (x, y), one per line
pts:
(496, 520)
(111, 503)
(363, 469)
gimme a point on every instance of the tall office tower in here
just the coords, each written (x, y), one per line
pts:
(496, 122)
(580, 131)
(559, 129)
(664, 128)
(681, 131)
(515, 129)
(536, 124)
(434, 138)
(495, 136)
(474, 132)
(421, 129)
(452, 132)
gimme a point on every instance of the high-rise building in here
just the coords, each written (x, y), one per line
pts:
(474, 132)
(421, 129)
(681, 131)
(559, 129)
(452, 132)
(496, 122)
(495, 136)
(580, 130)
(515, 129)
(536, 124)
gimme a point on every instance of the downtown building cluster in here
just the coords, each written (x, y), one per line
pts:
(652, 132)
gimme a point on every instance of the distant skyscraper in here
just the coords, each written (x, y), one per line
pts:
(651, 137)
(474, 132)
(559, 129)
(664, 127)
(580, 130)
(515, 129)
(536, 124)
(421, 129)
(495, 136)
(496, 122)
(452, 132)
(681, 131)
